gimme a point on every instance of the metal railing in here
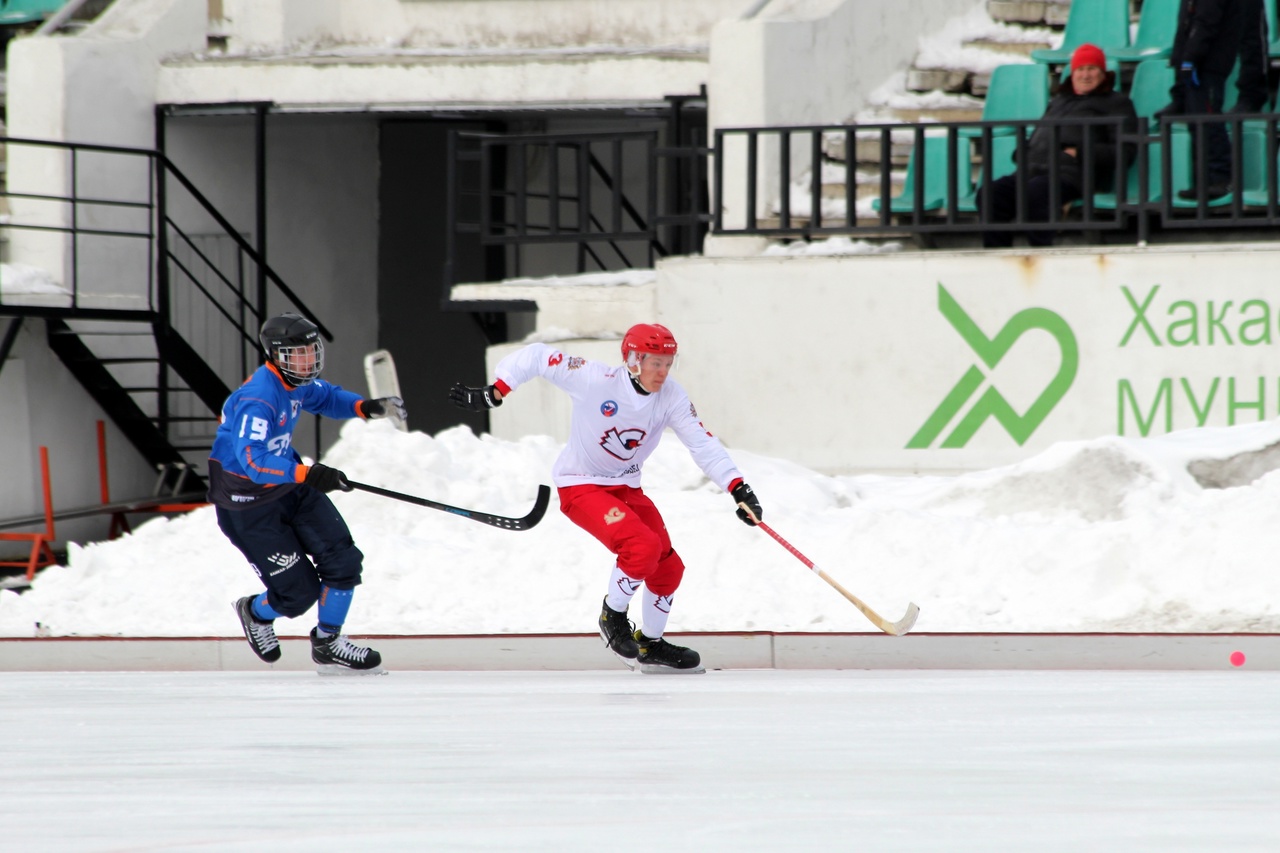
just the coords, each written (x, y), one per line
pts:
(619, 200)
(132, 239)
(820, 181)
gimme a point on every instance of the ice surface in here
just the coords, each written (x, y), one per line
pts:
(727, 761)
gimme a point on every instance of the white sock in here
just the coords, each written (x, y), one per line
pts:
(653, 614)
(621, 588)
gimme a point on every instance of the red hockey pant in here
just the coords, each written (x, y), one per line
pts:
(630, 526)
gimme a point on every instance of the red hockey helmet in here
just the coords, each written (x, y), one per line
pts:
(648, 338)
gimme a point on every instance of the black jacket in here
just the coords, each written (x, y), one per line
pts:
(1209, 34)
(1102, 101)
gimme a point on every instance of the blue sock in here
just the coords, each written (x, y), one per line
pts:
(334, 604)
(262, 609)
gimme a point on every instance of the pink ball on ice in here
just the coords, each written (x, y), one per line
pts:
(1237, 658)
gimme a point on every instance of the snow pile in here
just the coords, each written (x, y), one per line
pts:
(1109, 534)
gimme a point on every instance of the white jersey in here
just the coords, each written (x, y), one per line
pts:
(614, 427)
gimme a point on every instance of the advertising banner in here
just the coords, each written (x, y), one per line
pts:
(949, 361)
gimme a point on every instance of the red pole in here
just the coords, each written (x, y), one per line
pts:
(102, 462)
(48, 492)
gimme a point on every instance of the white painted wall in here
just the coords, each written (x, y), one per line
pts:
(484, 24)
(42, 404)
(838, 363)
(809, 62)
(322, 223)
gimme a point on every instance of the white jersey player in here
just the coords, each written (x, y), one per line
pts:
(619, 415)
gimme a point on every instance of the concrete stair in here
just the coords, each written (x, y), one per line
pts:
(932, 91)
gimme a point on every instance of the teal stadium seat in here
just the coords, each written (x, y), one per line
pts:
(1002, 163)
(1255, 170)
(1270, 6)
(1110, 200)
(1182, 169)
(1101, 22)
(1149, 89)
(1230, 94)
(1017, 92)
(1157, 24)
(935, 179)
(14, 12)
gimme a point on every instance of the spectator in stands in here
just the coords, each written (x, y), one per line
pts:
(1208, 39)
(1253, 87)
(1090, 92)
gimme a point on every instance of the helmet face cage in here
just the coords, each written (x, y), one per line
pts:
(300, 364)
(292, 343)
(635, 357)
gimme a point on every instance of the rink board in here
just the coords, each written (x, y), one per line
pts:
(581, 652)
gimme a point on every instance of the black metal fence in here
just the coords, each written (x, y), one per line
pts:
(616, 200)
(831, 180)
(137, 242)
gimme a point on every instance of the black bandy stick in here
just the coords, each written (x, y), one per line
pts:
(524, 523)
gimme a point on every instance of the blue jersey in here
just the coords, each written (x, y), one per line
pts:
(253, 460)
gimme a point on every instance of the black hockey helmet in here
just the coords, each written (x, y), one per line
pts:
(292, 343)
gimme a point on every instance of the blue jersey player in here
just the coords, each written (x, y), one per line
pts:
(276, 510)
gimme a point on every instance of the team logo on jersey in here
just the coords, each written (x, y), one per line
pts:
(622, 444)
(614, 515)
(283, 418)
(575, 362)
(556, 358)
(608, 408)
(295, 406)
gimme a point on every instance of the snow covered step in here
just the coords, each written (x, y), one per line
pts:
(1011, 48)
(939, 113)
(1051, 13)
(942, 79)
(960, 58)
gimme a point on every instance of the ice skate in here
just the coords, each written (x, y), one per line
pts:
(658, 656)
(260, 633)
(616, 630)
(337, 655)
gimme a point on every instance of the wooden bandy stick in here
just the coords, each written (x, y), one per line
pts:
(897, 629)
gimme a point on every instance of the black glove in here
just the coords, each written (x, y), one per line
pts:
(322, 478)
(742, 494)
(475, 399)
(385, 407)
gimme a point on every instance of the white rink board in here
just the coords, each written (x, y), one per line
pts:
(726, 651)
(858, 353)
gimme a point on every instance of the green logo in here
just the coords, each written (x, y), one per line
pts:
(991, 404)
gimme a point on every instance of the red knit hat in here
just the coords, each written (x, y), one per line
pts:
(1088, 54)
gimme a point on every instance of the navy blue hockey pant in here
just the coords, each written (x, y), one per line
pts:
(280, 539)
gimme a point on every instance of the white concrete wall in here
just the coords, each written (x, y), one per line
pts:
(322, 221)
(41, 404)
(840, 364)
(809, 62)
(475, 24)
(97, 87)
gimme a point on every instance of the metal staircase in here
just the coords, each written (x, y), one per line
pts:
(161, 316)
(161, 395)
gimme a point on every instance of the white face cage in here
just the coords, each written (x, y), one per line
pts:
(634, 358)
(301, 364)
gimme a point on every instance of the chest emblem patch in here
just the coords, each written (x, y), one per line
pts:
(622, 444)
